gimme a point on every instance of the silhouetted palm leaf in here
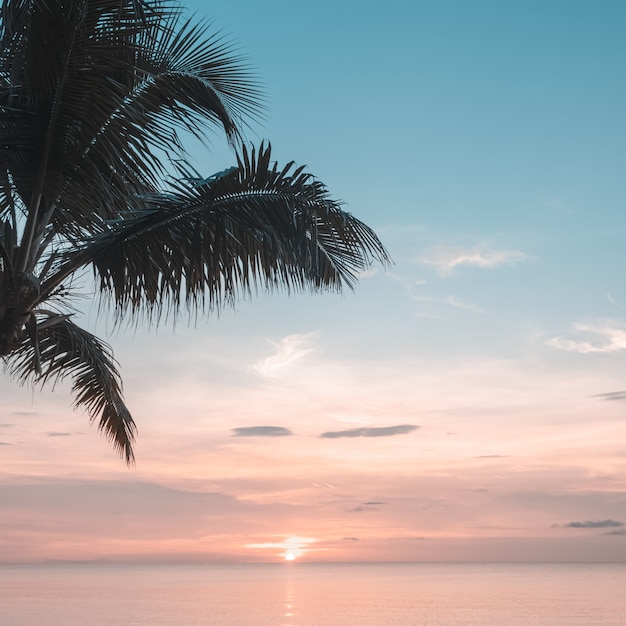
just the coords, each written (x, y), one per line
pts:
(61, 349)
(89, 89)
(95, 96)
(215, 239)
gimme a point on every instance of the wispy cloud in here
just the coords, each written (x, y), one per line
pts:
(367, 506)
(592, 339)
(361, 509)
(620, 532)
(384, 431)
(56, 434)
(446, 258)
(261, 431)
(605, 523)
(287, 351)
(452, 301)
(369, 272)
(611, 395)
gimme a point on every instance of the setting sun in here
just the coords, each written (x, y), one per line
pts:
(293, 546)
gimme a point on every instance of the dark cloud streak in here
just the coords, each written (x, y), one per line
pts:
(611, 395)
(605, 523)
(384, 431)
(261, 431)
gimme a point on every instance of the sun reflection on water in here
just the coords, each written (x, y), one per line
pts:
(290, 600)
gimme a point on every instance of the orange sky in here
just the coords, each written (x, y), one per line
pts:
(466, 404)
(364, 459)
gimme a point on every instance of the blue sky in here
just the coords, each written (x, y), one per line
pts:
(485, 143)
(463, 125)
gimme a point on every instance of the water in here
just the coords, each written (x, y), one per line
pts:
(314, 595)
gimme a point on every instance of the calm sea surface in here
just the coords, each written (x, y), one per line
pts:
(298, 594)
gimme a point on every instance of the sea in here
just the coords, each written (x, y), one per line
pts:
(306, 594)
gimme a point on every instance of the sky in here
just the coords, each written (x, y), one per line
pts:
(467, 403)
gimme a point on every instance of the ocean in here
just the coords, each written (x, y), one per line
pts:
(300, 594)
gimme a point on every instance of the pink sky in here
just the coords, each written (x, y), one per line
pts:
(462, 459)
(472, 396)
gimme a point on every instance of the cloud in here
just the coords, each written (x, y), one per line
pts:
(492, 456)
(350, 539)
(452, 301)
(446, 258)
(593, 339)
(55, 434)
(369, 272)
(605, 523)
(611, 395)
(368, 506)
(4, 443)
(385, 431)
(293, 546)
(620, 532)
(261, 431)
(288, 351)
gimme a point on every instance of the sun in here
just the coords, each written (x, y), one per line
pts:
(289, 556)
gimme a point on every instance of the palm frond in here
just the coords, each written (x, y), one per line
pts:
(96, 97)
(210, 241)
(62, 349)
(92, 93)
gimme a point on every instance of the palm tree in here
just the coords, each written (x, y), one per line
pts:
(95, 97)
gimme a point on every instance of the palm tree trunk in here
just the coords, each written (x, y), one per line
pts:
(13, 317)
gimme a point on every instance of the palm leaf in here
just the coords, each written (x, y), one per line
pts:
(91, 90)
(210, 241)
(95, 99)
(61, 349)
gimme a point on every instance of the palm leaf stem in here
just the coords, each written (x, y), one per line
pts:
(26, 244)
